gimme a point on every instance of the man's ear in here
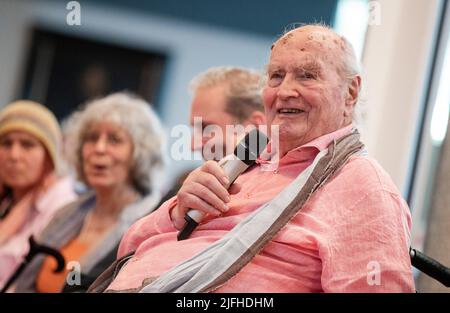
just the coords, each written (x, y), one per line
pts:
(256, 118)
(352, 95)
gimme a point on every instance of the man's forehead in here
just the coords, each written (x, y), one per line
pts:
(209, 104)
(204, 112)
(302, 61)
(308, 45)
(311, 38)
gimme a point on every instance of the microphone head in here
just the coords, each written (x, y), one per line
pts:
(249, 148)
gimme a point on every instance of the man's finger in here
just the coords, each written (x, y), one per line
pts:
(205, 194)
(214, 169)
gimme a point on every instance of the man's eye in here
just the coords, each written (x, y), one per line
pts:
(275, 76)
(275, 79)
(307, 75)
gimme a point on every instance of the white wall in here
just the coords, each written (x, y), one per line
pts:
(396, 60)
(191, 48)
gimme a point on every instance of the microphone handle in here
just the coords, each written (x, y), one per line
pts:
(188, 227)
(430, 267)
(233, 168)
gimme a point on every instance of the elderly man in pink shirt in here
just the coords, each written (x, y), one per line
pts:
(351, 232)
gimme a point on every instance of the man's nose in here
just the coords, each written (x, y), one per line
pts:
(288, 89)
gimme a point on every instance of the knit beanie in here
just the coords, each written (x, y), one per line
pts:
(37, 120)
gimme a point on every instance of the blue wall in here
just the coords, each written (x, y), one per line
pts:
(264, 17)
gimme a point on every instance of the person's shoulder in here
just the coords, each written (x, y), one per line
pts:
(59, 194)
(71, 212)
(64, 186)
(362, 188)
(364, 172)
(83, 202)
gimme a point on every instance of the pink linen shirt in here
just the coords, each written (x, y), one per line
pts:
(352, 235)
(16, 248)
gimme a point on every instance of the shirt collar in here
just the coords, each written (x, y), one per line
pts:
(322, 142)
(309, 149)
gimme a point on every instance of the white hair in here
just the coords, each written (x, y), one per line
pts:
(138, 119)
(351, 68)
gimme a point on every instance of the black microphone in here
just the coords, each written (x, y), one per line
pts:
(244, 156)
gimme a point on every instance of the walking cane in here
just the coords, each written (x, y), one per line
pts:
(430, 266)
(36, 249)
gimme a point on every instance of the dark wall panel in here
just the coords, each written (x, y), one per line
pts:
(265, 17)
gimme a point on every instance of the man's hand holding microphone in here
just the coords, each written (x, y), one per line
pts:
(207, 189)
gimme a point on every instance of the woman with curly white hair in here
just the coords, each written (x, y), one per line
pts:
(115, 144)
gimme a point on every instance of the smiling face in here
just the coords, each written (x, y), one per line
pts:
(304, 93)
(23, 159)
(107, 155)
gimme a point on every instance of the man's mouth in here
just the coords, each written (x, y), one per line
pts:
(289, 111)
